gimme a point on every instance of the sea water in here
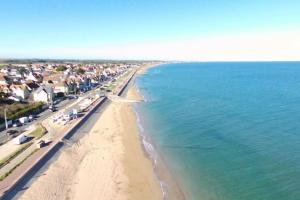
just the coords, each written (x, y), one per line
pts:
(226, 131)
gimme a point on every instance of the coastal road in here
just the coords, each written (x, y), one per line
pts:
(46, 114)
(40, 168)
(21, 187)
(43, 115)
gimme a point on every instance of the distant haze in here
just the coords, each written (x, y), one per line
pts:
(199, 30)
(256, 47)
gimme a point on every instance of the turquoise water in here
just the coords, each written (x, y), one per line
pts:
(226, 131)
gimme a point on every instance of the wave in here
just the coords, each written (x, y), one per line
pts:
(140, 93)
(152, 155)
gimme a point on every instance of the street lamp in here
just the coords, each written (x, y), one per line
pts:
(5, 118)
(6, 125)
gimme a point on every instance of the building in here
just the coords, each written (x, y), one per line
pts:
(44, 94)
(61, 87)
(4, 89)
(3, 80)
(19, 91)
(32, 77)
(31, 85)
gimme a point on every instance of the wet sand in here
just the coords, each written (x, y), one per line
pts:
(170, 188)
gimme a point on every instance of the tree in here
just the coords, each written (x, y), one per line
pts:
(61, 68)
(80, 71)
(22, 70)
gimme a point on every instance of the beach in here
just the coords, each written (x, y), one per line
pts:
(106, 163)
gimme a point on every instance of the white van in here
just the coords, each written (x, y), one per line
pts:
(20, 139)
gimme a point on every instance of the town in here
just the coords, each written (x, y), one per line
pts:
(30, 88)
(41, 103)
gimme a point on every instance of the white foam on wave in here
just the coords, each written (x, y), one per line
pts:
(138, 119)
(152, 154)
(141, 94)
(153, 157)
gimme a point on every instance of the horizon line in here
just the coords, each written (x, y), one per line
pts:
(152, 60)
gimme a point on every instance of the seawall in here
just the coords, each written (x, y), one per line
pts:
(11, 189)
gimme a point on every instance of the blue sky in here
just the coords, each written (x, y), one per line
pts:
(64, 28)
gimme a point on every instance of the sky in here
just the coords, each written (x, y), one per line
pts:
(200, 30)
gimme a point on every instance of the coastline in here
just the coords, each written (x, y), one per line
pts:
(108, 161)
(146, 187)
(168, 184)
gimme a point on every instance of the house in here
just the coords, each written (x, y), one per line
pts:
(61, 87)
(44, 94)
(52, 79)
(37, 69)
(4, 70)
(104, 76)
(31, 85)
(32, 77)
(72, 86)
(15, 73)
(83, 83)
(49, 68)
(3, 80)
(94, 81)
(20, 91)
(67, 72)
(4, 89)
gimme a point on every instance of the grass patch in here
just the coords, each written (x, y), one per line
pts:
(38, 132)
(10, 171)
(123, 76)
(111, 87)
(10, 157)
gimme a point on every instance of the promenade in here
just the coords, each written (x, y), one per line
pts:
(12, 184)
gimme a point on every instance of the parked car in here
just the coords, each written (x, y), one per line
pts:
(23, 120)
(12, 132)
(17, 124)
(52, 108)
(9, 123)
(31, 117)
(72, 97)
(41, 144)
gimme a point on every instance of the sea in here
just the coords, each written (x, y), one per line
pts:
(224, 130)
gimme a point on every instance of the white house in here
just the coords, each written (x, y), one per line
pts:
(61, 87)
(14, 72)
(20, 91)
(44, 94)
(31, 77)
(4, 70)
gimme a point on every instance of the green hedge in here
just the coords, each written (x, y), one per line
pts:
(27, 110)
(18, 110)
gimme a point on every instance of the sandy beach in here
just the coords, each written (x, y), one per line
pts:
(107, 163)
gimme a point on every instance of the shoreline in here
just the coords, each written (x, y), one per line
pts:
(169, 186)
(144, 169)
(108, 161)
